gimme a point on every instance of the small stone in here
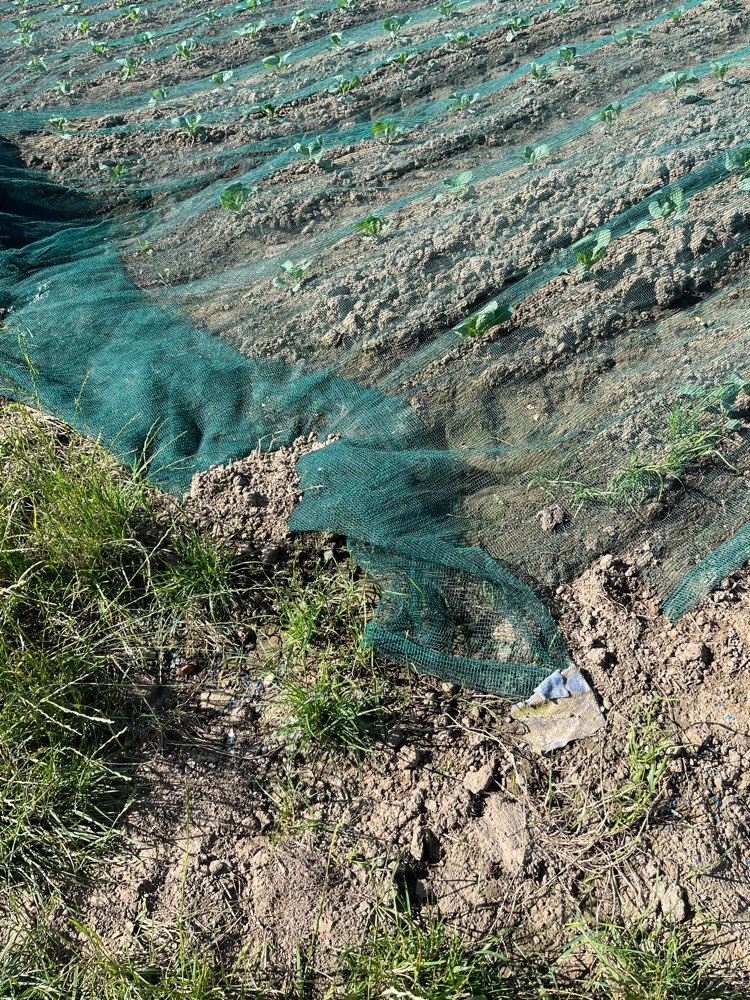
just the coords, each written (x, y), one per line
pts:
(597, 656)
(672, 902)
(409, 758)
(217, 867)
(263, 820)
(480, 781)
(552, 517)
(695, 652)
(271, 555)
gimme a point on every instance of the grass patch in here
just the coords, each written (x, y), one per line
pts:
(97, 574)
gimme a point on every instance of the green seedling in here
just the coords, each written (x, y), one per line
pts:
(65, 87)
(302, 17)
(563, 9)
(233, 198)
(25, 23)
(192, 125)
(533, 154)
(720, 70)
(460, 186)
(387, 131)
(250, 5)
(130, 66)
(669, 208)
(458, 39)
(115, 171)
(628, 36)
(371, 227)
(277, 63)
(312, 151)
(481, 322)
(738, 162)
(462, 103)
(251, 31)
(516, 27)
(591, 250)
(186, 48)
(145, 248)
(292, 276)
(62, 125)
(609, 115)
(347, 5)
(136, 14)
(541, 72)
(222, 77)
(344, 85)
(72, 8)
(210, 16)
(395, 25)
(38, 64)
(335, 41)
(401, 60)
(568, 55)
(148, 38)
(26, 39)
(83, 27)
(448, 8)
(158, 95)
(266, 109)
(677, 15)
(679, 84)
(100, 48)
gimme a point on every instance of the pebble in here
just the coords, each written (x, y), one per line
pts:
(481, 780)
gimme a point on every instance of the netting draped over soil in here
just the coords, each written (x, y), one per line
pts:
(499, 254)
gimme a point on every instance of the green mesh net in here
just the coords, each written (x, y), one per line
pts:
(499, 255)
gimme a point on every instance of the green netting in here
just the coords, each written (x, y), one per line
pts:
(530, 354)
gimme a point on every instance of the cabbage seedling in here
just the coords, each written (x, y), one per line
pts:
(628, 36)
(371, 227)
(668, 208)
(99, 47)
(25, 23)
(186, 48)
(563, 9)
(490, 316)
(448, 8)
(232, 199)
(148, 38)
(516, 26)
(130, 66)
(115, 171)
(677, 15)
(458, 39)
(38, 64)
(344, 85)
(568, 55)
(135, 13)
(738, 162)
(277, 63)
(458, 103)
(609, 115)
(347, 5)
(83, 27)
(62, 125)
(251, 31)
(312, 151)
(222, 77)
(679, 84)
(157, 96)
(387, 131)
(541, 72)
(191, 124)
(591, 250)
(335, 40)
(301, 18)
(401, 60)
(266, 109)
(395, 25)
(533, 154)
(460, 186)
(209, 16)
(26, 39)
(720, 70)
(292, 275)
(65, 87)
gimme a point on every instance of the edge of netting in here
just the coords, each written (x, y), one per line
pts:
(512, 681)
(699, 581)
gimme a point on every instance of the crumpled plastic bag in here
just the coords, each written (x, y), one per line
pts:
(561, 709)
